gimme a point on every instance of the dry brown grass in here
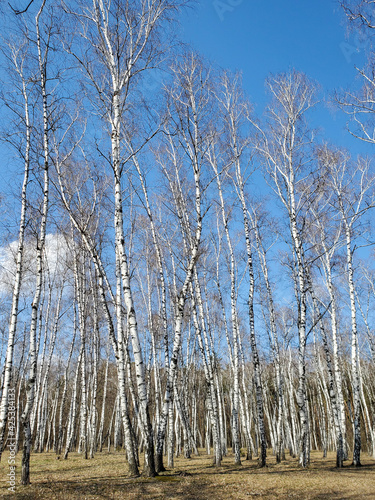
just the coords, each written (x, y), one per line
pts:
(105, 477)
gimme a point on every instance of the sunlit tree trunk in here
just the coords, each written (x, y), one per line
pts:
(233, 293)
(8, 364)
(60, 429)
(102, 413)
(73, 409)
(284, 148)
(38, 445)
(42, 59)
(352, 185)
(191, 137)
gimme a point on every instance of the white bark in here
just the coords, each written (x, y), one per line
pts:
(25, 474)
(233, 298)
(284, 152)
(7, 376)
(190, 137)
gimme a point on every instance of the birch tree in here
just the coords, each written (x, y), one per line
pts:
(18, 62)
(284, 148)
(353, 197)
(123, 36)
(359, 104)
(235, 115)
(42, 54)
(188, 100)
(235, 357)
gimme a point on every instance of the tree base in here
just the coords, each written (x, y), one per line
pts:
(133, 470)
(159, 466)
(149, 473)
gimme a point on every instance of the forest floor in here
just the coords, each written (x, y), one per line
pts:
(194, 479)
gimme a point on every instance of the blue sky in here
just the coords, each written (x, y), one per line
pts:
(259, 37)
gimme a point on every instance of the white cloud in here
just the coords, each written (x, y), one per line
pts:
(56, 253)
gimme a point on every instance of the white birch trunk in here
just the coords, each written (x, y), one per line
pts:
(38, 445)
(25, 473)
(236, 355)
(60, 430)
(354, 352)
(102, 413)
(8, 364)
(73, 410)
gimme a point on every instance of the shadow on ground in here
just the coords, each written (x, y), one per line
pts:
(182, 486)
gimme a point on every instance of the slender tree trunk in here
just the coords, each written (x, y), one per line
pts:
(254, 348)
(236, 354)
(73, 410)
(25, 473)
(7, 373)
(102, 413)
(354, 354)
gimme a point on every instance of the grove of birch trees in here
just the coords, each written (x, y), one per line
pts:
(178, 273)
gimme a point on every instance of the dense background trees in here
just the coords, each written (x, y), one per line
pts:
(153, 302)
